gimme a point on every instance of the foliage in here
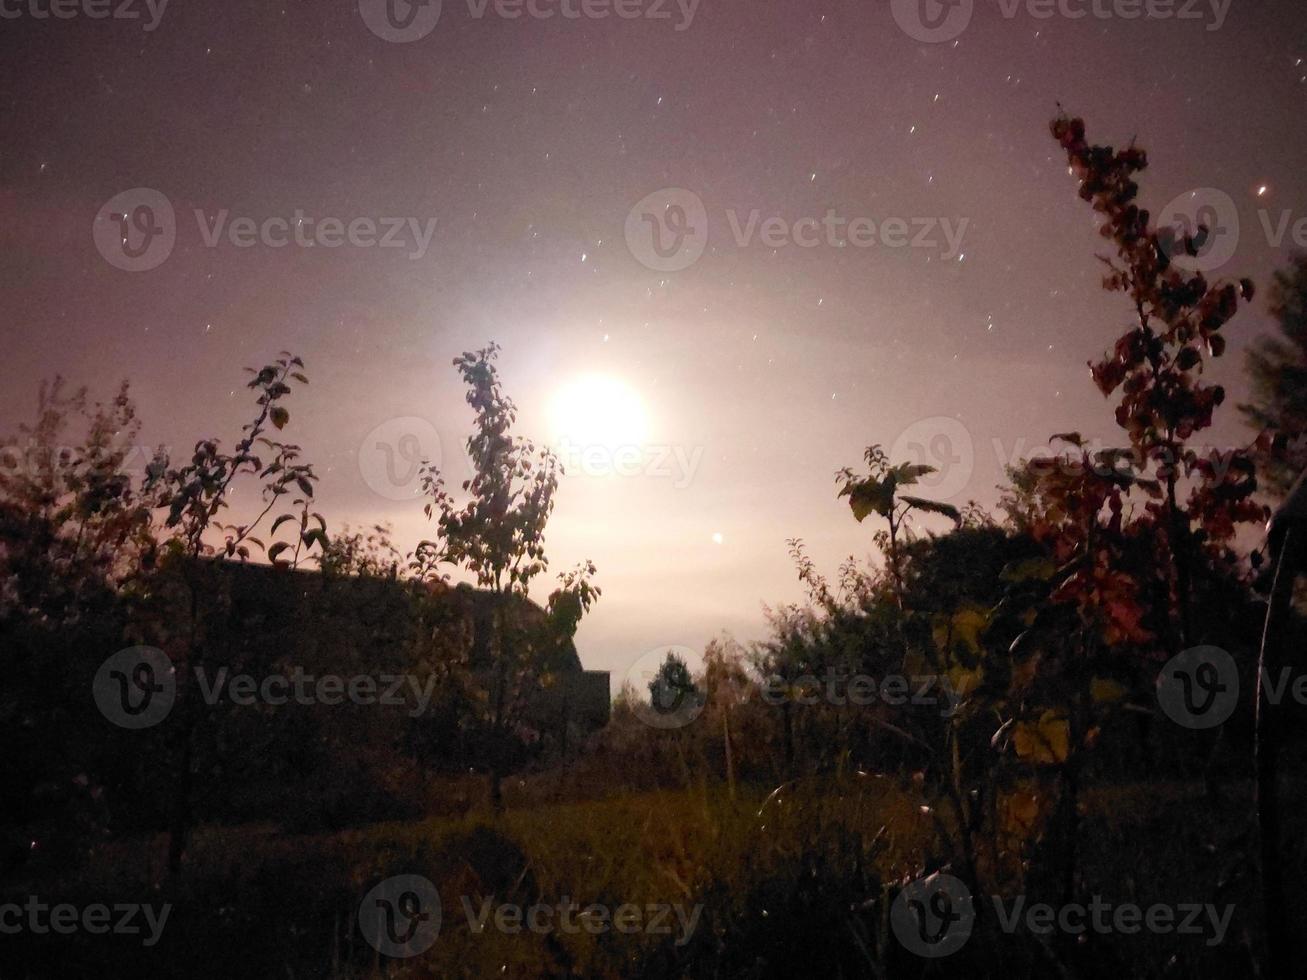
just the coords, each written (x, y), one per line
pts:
(1155, 370)
(671, 685)
(877, 492)
(497, 535)
(1277, 367)
(74, 525)
(196, 492)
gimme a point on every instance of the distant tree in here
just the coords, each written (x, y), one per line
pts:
(1278, 367)
(363, 553)
(74, 520)
(497, 535)
(671, 685)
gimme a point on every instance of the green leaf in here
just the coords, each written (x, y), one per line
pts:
(870, 496)
(315, 535)
(280, 521)
(1044, 741)
(908, 473)
(279, 417)
(933, 507)
(277, 549)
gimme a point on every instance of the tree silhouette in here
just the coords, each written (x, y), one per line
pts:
(497, 535)
(1278, 368)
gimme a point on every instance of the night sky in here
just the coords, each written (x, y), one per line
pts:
(530, 141)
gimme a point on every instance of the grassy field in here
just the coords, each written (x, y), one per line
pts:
(796, 882)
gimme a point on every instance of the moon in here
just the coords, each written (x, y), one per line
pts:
(597, 410)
